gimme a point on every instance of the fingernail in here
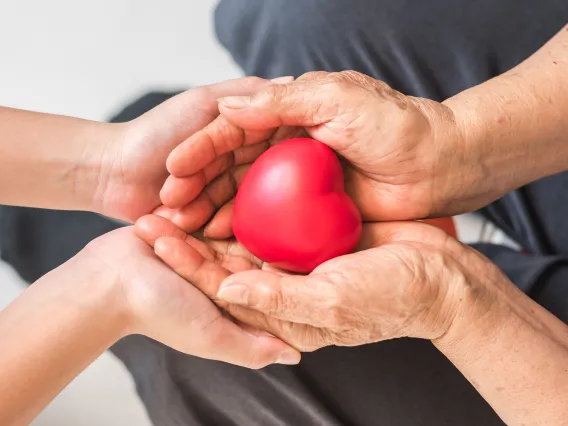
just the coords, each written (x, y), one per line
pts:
(235, 293)
(288, 358)
(282, 80)
(235, 102)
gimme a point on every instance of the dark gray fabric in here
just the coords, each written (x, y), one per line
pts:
(434, 49)
(401, 382)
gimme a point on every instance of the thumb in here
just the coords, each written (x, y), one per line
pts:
(299, 299)
(303, 103)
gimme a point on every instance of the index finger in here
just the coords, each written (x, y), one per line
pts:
(205, 146)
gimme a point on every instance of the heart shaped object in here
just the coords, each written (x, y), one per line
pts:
(291, 209)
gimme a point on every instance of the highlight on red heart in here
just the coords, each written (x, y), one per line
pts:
(291, 209)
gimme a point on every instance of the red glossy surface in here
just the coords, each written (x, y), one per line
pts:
(291, 209)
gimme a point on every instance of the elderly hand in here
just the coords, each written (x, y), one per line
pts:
(407, 280)
(406, 157)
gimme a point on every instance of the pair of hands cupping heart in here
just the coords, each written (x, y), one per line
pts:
(291, 210)
(300, 208)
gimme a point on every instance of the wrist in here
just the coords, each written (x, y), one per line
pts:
(511, 350)
(90, 174)
(455, 167)
(487, 160)
(486, 306)
(449, 295)
(504, 137)
(96, 289)
(473, 322)
(463, 282)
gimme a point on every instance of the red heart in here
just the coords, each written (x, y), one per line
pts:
(291, 209)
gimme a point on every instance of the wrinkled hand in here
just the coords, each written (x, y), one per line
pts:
(404, 156)
(161, 305)
(133, 165)
(408, 280)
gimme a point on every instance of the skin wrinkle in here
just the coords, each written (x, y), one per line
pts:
(418, 278)
(117, 279)
(327, 102)
(81, 178)
(333, 304)
(203, 95)
(103, 180)
(349, 129)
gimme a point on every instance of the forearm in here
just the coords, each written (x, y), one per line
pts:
(515, 353)
(53, 331)
(516, 125)
(50, 161)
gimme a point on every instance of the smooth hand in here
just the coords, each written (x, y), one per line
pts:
(132, 164)
(159, 304)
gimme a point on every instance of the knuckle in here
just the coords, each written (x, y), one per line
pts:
(335, 316)
(357, 83)
(353, 78)
(203, 100)
(349, 75)
(201, 94)
(273, 300)
(382, 85)
(347, 89)
(254, 81)
(313, 75)
(219, 128)
(385, 92)
(272, 94)
(332, 304)
(225, 135)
